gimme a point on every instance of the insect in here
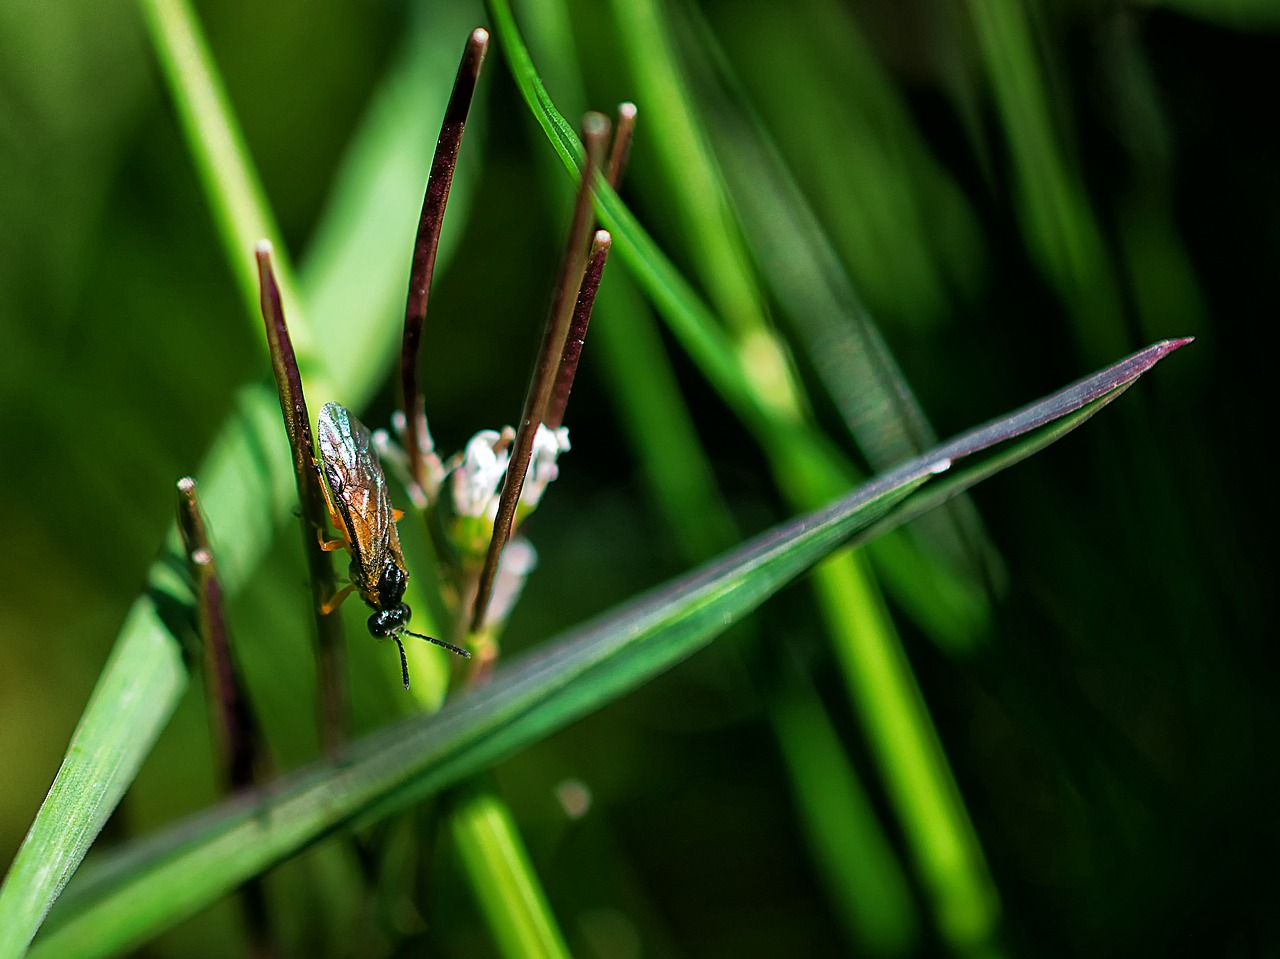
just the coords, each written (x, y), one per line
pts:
(360, 509)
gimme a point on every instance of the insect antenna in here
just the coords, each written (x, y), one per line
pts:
(439, 642)
(404, 662)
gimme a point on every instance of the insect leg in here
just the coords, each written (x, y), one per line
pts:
(329, 545)
(335, 518)
(336, 600)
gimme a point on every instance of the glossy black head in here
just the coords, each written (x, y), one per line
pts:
(387, 622)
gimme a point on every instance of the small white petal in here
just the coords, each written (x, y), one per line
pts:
(476, 480)
(547, 446)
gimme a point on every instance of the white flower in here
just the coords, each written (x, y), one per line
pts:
(477, 478)
(547, 446)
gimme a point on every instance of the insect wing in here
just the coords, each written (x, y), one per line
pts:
(359, 488)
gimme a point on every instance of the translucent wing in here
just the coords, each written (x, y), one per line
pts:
(358, 486)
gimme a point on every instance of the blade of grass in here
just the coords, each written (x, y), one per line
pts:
(146, 887)
(1052, 199)
(246, 478)
(865, 879)
(854, 856)
(356, 268)
(502, 876)
(146, 673)
(834, 326)
(227, 176)
(830, 800)
(152, 884)
(877, 673)
(147, 670)
(813, 464)
(706, 225)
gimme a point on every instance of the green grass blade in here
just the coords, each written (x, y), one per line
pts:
(848, 844)
(1062, 230)
(879, 678)
(808, 466)
(832, 324)
(867, 885)
(503, 878)
(246, 482)
(855, 860)
(705, 224)
(227, 175)
(145, 675)
(146, 668)
(356, 270)
(154, 883)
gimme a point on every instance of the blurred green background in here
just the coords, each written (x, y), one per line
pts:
(1019, 193)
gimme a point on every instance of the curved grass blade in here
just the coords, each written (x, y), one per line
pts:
(502, 877)
(819, 298)
(246, 478)
(808, 464)
(356, 269)
(154, 883)
(227, 175)
(146, 674)
(1062, 231)
(144, 668)
(865, 881)
(148, 886)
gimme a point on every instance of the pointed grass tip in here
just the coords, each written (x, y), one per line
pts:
(1159, 350)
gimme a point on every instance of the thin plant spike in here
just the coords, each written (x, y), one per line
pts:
(619, 152)
(623, 133)
(600, 246)
(439, 181)
(595, 133)
(233, 718)
(315, 513)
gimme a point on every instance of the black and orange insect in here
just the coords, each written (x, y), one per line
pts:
(360, 509)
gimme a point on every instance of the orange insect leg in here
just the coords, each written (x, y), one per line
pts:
(337, 599)
(329, 545)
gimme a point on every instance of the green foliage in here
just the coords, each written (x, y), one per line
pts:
(966, 735)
